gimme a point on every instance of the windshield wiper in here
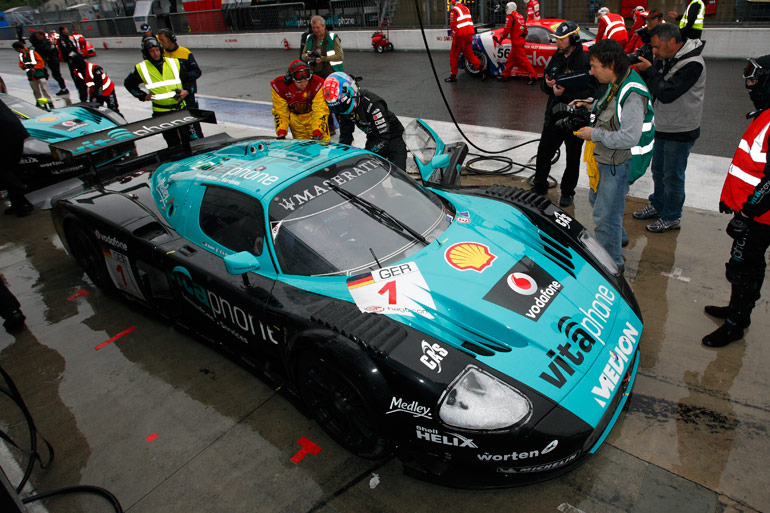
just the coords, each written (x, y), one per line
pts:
(379, 214)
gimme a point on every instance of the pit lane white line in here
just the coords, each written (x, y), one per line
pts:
(704, 177)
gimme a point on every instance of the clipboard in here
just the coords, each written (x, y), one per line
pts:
(574, 80)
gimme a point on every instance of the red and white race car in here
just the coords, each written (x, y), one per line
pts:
(540, 47)
(85, 48)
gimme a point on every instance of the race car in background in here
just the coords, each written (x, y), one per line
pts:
(480, 333)
(540, 47)
(39, 168)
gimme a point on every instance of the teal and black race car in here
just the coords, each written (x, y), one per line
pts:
(480, 333)
(38, 168)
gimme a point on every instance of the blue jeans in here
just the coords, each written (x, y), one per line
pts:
(609, 202)
(669, 161)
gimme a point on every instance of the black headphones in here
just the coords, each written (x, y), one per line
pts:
(170, 35)
(287, 78)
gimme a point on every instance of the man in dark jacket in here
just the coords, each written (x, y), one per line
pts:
(48, 51)
(68, 45)
(363, 109)
(568, 58)
(12, 148)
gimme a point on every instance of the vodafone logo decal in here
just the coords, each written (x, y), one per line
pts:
(522, 283)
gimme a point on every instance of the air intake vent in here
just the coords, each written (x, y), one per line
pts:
(520, 196)
(558, 254)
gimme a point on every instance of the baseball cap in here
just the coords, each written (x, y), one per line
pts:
(566, 28)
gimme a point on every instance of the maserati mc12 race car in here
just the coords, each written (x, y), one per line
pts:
(480, 333)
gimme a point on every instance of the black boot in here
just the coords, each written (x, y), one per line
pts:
(720, 312)
(723, 335)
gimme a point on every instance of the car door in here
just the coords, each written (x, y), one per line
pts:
(227, 309)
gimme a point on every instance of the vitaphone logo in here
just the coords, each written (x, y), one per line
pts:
(223, 311)
(122, 134)
(583, 334)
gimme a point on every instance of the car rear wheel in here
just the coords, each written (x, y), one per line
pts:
(471, 69)
(339, 402)
(87, 254)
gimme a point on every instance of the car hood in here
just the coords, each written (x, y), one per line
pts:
(490, 287)
(62, 124)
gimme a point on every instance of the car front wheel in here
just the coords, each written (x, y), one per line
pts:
(338, 400)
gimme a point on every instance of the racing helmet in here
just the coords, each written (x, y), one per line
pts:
(568, 29)
(603, 11)
(341, 93)
(148, 43)
(758, 69)
(145, 27)
(510, 7)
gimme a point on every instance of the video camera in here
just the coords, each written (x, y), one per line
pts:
(570, 117)
(644, 51)
(572, 79)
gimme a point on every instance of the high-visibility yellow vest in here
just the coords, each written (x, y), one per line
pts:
(162, 86)
(698, 25)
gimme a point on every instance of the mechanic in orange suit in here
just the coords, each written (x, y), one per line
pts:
(299, 104)
(611, 26)
(516, 30)
(461, 29)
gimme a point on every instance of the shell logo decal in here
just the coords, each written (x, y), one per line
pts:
(467, 256)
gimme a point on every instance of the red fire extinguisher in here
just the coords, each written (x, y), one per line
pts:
(285, 44)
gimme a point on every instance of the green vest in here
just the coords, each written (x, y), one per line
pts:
(162, 86)
(641, 154)
(698, 25)
(331, 36)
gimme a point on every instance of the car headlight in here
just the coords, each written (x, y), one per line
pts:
(478, 400)
(598, 251)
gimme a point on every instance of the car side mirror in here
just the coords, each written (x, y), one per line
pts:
(241, 263)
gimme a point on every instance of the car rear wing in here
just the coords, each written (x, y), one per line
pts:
(83, 148)
(104, 139)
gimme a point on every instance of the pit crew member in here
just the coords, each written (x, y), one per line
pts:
(516, 30)
(461, 29)
(99, 86)
(611, 26)
(166, 83)
(299, 105)
(746, 193)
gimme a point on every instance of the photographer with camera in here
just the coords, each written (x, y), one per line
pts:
(623, 145)
(569, 58)
(677, 81)
(746, 193)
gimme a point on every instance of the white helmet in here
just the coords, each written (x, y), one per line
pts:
(604, 10)
(510, 7)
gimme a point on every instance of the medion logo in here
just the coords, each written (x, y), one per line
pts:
(121, 134)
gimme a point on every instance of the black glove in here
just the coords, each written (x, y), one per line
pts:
(724, 209)
(281, 137)
(738, 227)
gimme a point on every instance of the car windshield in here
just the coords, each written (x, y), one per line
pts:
(21, 108)
(357, 215)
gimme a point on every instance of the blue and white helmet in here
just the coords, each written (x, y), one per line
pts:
(341, 93)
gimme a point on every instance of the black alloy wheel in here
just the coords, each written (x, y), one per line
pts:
(340, 405)
(88, 256)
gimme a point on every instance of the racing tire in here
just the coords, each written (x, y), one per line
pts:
(339, 402)
(470, 69)
(87, 254)
(380, 48)
(390, 47)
